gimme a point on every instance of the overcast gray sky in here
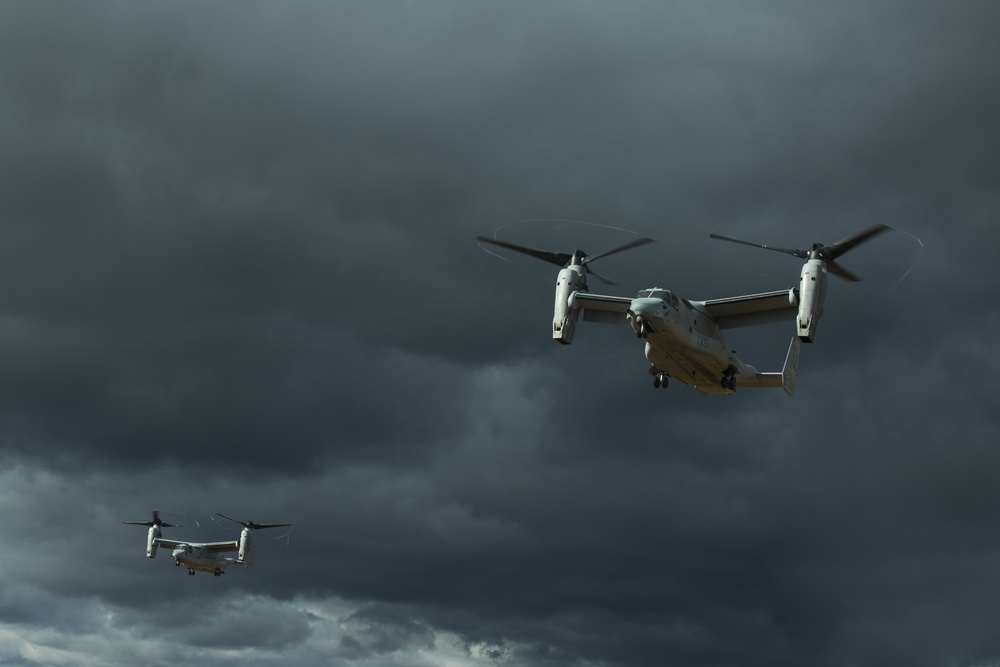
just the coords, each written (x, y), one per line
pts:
(239, 275)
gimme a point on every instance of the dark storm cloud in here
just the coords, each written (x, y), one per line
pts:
(240, 276)
(235, 623)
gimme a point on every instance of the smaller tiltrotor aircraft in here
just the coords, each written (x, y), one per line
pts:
(203, 556)
(683, 338)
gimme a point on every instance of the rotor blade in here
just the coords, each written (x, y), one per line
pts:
(242, 523)
(628, 246)
(155, 522)
(262, 526)
(838, 270)
(560, 259)
(606, 281)
(151, 523)
(835, 250)
(801, 254)
(161, 523)
(251, 524)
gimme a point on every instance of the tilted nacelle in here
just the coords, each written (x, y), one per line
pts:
(151, 541)
(811, 295)
(244, 556)
(571, 279)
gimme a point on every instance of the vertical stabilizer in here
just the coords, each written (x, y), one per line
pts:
(789, 374)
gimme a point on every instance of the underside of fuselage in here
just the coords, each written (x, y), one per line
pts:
(681, 344)
(211, 565)
(705, 372)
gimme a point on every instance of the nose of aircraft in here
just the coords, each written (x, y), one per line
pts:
(635, 321)
(640, 312)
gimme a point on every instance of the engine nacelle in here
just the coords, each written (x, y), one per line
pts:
(151, 541)
(245, 554)
(812, 294)
(571, 279)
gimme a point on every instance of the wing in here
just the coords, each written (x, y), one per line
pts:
(211, 546)
(218, 547)
(170, 544)
(749, 310)
(600, 308)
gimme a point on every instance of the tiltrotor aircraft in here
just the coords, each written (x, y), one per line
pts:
(203, 556)
(683, 338)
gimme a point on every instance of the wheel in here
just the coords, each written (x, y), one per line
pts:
(660, 380)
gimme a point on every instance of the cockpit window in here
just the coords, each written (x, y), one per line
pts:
(667, 296)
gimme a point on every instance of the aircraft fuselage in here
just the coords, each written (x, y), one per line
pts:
(684, 342)
(201, 559)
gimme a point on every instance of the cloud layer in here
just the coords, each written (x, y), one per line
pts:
(240, 276)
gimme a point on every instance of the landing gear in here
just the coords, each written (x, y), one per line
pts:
(644, 330)
(660, 380)
(190, 573)
(729, 381)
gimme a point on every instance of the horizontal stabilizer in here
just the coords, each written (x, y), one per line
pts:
(787, 378)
